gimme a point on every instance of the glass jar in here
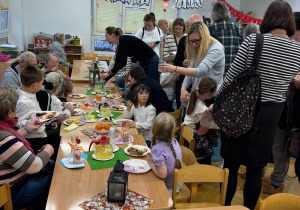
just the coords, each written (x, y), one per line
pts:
(104, 110)
(103, 150)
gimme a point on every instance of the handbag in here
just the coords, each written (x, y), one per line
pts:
(293, 145)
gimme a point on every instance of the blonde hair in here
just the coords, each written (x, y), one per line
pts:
(163, 129)
(170, 29)
(9, 97)
(192, 55)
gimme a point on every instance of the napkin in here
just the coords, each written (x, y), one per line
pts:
(71, 127)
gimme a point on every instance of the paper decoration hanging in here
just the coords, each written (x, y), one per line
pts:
(134, 2)
(241, 16)
(188, 4)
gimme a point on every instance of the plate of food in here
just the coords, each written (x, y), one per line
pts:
(99, 93)
(136, 166)
(105, 120)
(119, 122)
(118, 107)
(44, 115)
(111, 96)
(76, 112)
(111, 157)
(137, 150)
(76, 95)
(79, 121)
(76, 104)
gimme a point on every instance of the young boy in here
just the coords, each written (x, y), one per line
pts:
(32, 79)
(168, 81)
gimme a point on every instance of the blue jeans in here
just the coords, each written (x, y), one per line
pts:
(151, 67)
(34, 192)
(120, 82)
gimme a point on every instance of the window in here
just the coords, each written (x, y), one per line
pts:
(4, 22)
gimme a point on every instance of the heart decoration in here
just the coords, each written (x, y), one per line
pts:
(165, 15)
(164, 10)
(165, 0)
(165, 5)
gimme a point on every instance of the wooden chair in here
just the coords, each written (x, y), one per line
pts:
(200, 173)
(89, 56)
(188, 157)
(187, 134)
(5, 197)
(177, 115)
(279, 201)
(104, 58)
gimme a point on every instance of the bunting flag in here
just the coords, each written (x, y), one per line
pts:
(241, 16)
(134, 2)
(188, 4)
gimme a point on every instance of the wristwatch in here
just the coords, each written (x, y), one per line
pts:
(27, 129)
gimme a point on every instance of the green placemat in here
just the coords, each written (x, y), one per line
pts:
(89, 92)
(96, 164)
(115, 114)
(87, 77)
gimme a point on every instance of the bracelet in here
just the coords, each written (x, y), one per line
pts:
(175, 69)
(27, 129)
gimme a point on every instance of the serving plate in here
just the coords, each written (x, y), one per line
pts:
(136, 166)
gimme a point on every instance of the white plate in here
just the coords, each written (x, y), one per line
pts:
(138, 147)
(102, 117)
(76, 95)
(122, 107)
(111, 157)
(100, 93)
(119, 121)
(103, 123)
(116, 149)
(33, 116)
(136, 166)
(76, 104)
(76, 112)
(81, 122)
(90, 121)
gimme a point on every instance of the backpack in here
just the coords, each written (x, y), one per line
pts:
(236, 107)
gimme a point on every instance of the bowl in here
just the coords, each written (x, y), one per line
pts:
(104, 121)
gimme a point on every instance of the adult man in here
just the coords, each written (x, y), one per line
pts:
(11, 76)
(58, 48)
(281, 157)
(160, 100)
(228, 33)
(163, 25)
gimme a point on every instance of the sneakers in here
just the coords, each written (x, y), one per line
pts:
(271, 189)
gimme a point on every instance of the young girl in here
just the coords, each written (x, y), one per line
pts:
(195, 111)
(166, 153)
(143, 112)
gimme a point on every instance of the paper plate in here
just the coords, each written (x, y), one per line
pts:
(116, 149)
(90, 121)
(76, 112)
(76, 104)
(121, 107)
(81, 122)
(76, 95)
(136, 166)
(100, 93)
(111, 157)
(139, 147)
(120, 142)
(66, 161)
(40, 118)
(119, 121)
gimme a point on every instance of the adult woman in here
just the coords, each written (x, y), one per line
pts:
(17, 160)
(52, 65)
(170, 45)
(151, 35)
(279, 62)
(129, 46)
(205, 56)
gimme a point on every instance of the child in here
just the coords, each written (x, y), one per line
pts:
(52, 84)
(166, 153)
(195, 111)
(143, 112)
(168, 81)
(32, 79)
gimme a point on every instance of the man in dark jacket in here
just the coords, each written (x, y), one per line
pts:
(160, 100)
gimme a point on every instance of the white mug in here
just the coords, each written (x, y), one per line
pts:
(103, 100)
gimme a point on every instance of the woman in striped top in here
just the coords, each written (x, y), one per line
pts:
(171, 42)
(279, 64)
(18, 163)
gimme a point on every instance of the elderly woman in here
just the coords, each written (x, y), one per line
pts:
(58, 48)
(205, 56)
(171, 43)
(17, 159)
(250, 29)
(51, 65)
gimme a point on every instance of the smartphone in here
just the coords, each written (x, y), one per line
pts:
(157, 42)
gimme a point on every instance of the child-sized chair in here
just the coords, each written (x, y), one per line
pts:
(187, 134)
(279, 201)
(200, 173)
(177, 115)
(5, 197)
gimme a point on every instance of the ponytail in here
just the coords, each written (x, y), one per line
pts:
(178, 162)
(192, 102)
(116, 31)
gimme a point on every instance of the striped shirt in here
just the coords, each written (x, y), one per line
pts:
(122, 72)
(278, 65)
(170, 46)
(16, 161)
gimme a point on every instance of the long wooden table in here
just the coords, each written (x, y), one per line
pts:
(71, 187)
(80, 70)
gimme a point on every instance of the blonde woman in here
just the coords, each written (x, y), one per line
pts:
(205, 56)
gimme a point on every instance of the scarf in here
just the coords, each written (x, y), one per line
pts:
(8, 125)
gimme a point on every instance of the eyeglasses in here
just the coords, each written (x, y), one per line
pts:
(31, 64)
(195, 41)
(143, 93)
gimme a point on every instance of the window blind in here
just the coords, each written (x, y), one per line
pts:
(134, 19)
(107, 15)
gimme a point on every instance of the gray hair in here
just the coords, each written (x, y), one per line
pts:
(220, 11)
(25, 56)
(251, 28)
(160, 21)
(48, 55)
(54, 77)
(9, 97)
(59, 36)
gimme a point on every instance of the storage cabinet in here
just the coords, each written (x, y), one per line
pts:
(5, 65)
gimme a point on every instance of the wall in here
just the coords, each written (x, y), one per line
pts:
(69, 16)
(259, 7)
(205, 10)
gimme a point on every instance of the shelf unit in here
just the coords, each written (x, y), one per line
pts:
(73, 52)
